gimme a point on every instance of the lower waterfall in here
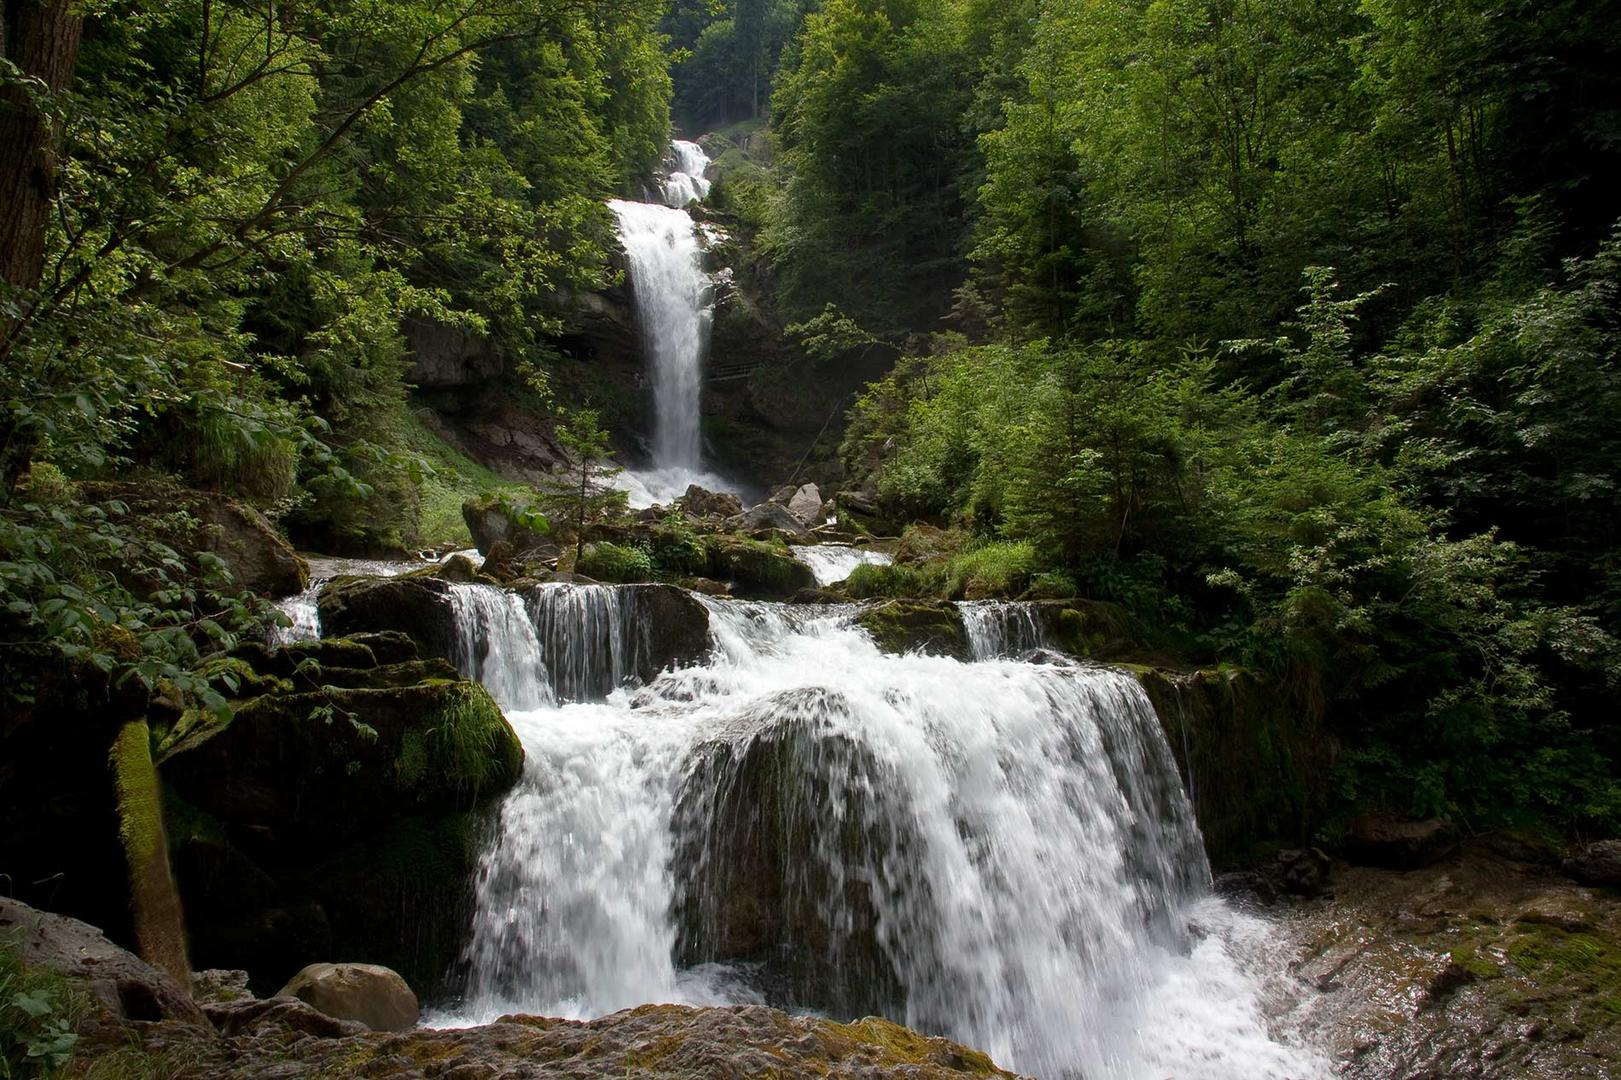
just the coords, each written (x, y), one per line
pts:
(998, 851)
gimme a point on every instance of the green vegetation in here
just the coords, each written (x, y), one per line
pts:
(37, 1014)
(615, 563)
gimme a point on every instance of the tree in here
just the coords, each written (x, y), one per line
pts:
(583, 491)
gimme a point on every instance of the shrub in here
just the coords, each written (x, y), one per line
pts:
(615, 563)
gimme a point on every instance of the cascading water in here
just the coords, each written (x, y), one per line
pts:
(833, 562)
(1001, 628)
(674, 298)
(999, 851)
(686, 183)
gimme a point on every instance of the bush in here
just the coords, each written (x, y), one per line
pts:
(992, 570)
(615, 563)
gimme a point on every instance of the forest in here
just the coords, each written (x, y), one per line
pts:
(1285, 332)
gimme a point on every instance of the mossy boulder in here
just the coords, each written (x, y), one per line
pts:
(342, 820)
(757, 569)
(260, 560)
(903, 626)
(493, 518)
(418, 607)
(1257, 767)
(327, 765)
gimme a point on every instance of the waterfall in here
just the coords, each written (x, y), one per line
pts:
(833, 562)
(1000, 628)
(686, 183)
(674, 305)
(998, 851)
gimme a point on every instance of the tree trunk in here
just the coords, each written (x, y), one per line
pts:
(41, 37)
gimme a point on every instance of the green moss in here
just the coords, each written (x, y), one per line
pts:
(452, 479)
(901, 626)
(1583, 961)
(235, 677)
(758, 568)
(616, 563)
(466, 739)
(159, 929)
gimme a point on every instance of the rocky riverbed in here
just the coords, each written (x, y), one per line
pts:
(1481, 965)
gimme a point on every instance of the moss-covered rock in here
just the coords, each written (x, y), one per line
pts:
(334, 763)
(341, 820)
(902, 626)
(418, 607)
(1258, 769)
(757, 569)
(615, 563)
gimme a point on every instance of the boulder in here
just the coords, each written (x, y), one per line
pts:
(341, 819)
(448, 356)
(259, 559)
(1597, 864)
(418, 607)
(124, 985)
(1380, 840)
(903, 626)
(757, 569)
(806, 505)
(367, 993)
(490, 519)
(768, 515)
(674, 628)
(710, 504)
(765, 875)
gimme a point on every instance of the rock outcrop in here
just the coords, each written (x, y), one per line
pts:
(122, 984)
(448, 356)
(337, 812)
(258, 558)
(902, 626)
(416, 605)
(1380, 840)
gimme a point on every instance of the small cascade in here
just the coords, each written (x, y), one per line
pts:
(302, 608)
(833, 563)
(996, 851)
(1001, 628)
(686, 183)
(497, 645)
(590, 636)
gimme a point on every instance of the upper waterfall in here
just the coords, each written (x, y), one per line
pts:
(674, 305)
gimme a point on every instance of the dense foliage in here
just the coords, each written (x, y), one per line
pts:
(1291, 327)
(250, 205)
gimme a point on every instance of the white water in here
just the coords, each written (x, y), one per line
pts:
(686, 183)
(833, 562)
(674, 300)
(1012, 837)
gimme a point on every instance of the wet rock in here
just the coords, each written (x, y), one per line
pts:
(903, 626)
(806, 505)
(676, 628)
(1597, 864)
(1378, 840)
(766, 876)
(1258, 769)
(757, 569)
(710, 504)
(122, 984)
(367, 993)
(388, 646)
(768, 515)
(272, 1041)
(418, 607)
